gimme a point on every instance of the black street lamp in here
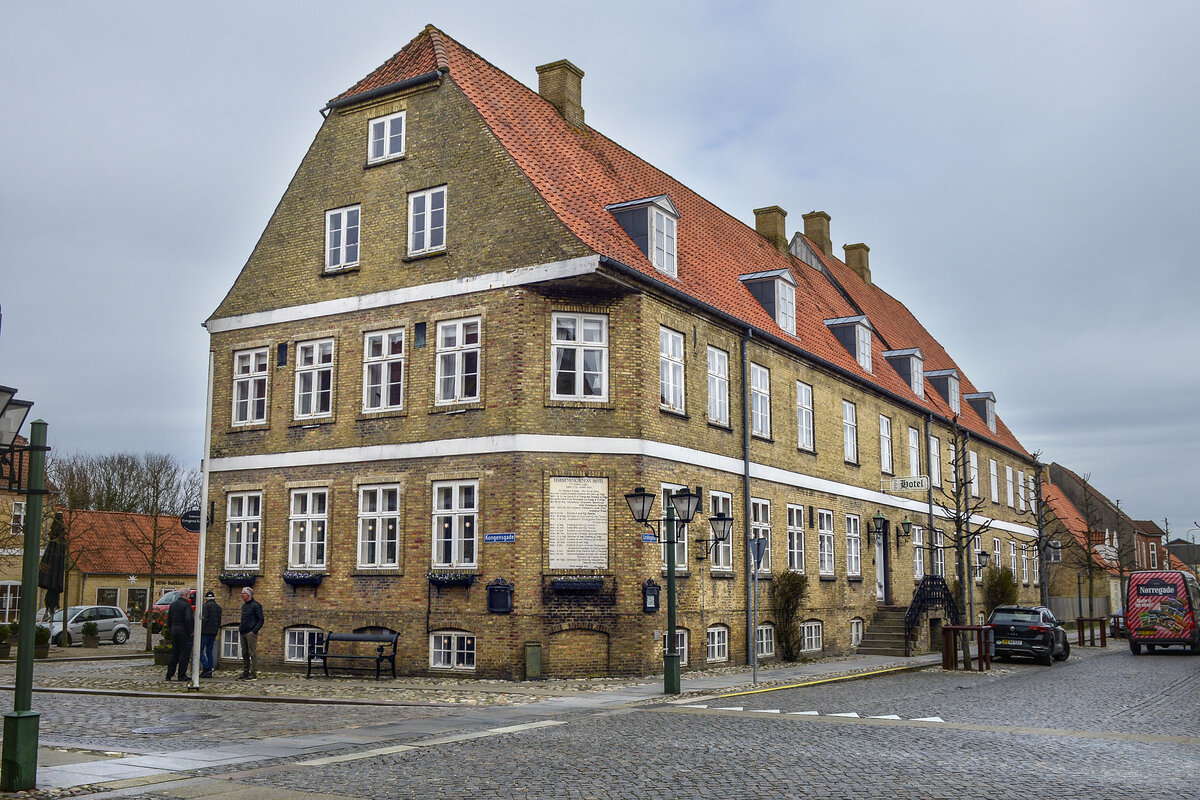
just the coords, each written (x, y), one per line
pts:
(880, 528)
(681, 510)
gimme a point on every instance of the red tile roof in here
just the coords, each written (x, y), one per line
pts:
(579, 172)
(117, 543)
(1066, 513)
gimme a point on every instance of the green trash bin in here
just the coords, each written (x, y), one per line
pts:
(533, 661)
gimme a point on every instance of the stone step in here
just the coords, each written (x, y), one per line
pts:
(880, 651)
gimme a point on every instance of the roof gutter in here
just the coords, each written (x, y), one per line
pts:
(725, 316)
(379, 91)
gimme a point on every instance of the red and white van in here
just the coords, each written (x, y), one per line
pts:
(1160, 610)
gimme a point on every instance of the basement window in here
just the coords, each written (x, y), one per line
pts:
(775, 291)
(652, 223)
(910, 366)
(855, 335)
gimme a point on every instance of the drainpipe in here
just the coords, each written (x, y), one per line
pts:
(929, 472)
(746, 489)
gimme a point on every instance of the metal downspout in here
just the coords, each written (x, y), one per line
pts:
(746, 488)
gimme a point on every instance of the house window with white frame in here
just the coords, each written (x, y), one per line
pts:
(670, 369)
(1008, 481)
(579, 357)
(935, 461)
(953, 453)
(722, 552)
(314, 379)
(681, 532)
(427, 221)
(760, 401)
(231, 644)
(250, 386)
(455, 528)
(378, 527)
(850, 431)
(1012, 558)
(717, 641)
(914, 452)
(918, 543)
(974, 473)
(812, 634)
(853, 546)
(452, 650)
(662, 253)
(764, 641)
(298, 641)
(938, 541)
(1020, 490)
(385, 138)
(856, 632)
(1036, 558)
(458, 360)
(785, 305)
(760, 528)
(825, 542)
(885, 444)
(681, 645)
(1153, 555)
(308, 523)
(863, 334)
(994, 479)
(341, 237)
(977, 546)
(18, 518)
(718, 386)
(1033, 493)
(1054, 552)
(804, 416)
(795, 537)
(243, 527)
(997, 553)
(383, 370)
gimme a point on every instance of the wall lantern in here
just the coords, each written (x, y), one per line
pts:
(650, 591)
(499, 596)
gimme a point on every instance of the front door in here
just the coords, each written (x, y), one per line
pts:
(880, 569)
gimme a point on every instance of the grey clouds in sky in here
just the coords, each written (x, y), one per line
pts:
(1024, 173)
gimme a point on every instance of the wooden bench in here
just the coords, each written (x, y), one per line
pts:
(322, 652)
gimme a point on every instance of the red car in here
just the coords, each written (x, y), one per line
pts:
(158, 612)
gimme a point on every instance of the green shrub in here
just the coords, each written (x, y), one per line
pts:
(787, 594)
(41, 636)
(5, 632)
(90, 628)
(999, 588)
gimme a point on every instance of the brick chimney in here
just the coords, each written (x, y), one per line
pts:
(816, 228)
(561, 82)
(856, 259)
(769, 222)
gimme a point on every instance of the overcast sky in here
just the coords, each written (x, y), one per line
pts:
(1024, 173)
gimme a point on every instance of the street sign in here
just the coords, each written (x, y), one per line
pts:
(757, 548)
(917, 483)
(649, 537)
(191, 521)
(499, 537)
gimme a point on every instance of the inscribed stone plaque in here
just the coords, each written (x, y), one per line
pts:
(579, 523)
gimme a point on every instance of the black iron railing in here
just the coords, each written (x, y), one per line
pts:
(932, 592)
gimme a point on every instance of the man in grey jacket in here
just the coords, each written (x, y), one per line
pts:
(251, 624)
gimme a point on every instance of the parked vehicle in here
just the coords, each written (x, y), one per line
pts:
(1160, 610)
(111, 623)
(1029, 631)
(1116, 624)
(158, 612)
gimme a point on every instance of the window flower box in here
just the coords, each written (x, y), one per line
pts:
(235, 579)
(577, 584)
(440, 579)
(295, 579)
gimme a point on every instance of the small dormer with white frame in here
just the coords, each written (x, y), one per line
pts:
(775, 291)
(945, 381)
(653, 224)
(855, 335)
(984, 404)
(909, 365)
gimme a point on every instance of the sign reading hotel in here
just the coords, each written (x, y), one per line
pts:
(579, 523)
(917, 483)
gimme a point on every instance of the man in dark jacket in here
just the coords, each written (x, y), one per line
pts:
(210, 626)
(179, 623)
(252, 622)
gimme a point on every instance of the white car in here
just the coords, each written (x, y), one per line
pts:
(111, 623)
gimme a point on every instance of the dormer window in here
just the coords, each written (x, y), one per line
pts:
(855, 335)
(946, 383)
(775, 291)
(651, 222)
(984, 404)
(909, 365)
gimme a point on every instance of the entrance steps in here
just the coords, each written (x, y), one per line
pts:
(884, 635)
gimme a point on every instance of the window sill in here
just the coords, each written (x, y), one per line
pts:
(807, 450)
(336, 271)
(762, 438)
(764, 575)
(424, 255)
(383, 162)
(854, 464)
(854, 578)
(722, 574)
(721, 426)
(556, 402)
(455, 408)
(371, 572)
(311, 423)
(256, 426)
(384, 414)
(673, 412)
(828, 577)
(679, 573)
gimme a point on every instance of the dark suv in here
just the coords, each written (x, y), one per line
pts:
(1029, 631)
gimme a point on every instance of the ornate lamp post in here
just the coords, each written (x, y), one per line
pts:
(680, 511)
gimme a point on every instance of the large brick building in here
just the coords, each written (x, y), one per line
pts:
(474, 323)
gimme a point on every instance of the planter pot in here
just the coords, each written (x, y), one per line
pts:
(91, 641)
(305, 580)
(162, 658)
(577, 586)
(6, 650)
(237, 580)
(451, 580)
(41, 650)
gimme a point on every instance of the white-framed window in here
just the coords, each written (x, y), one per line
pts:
(718, 386)
(250, 386)
(953, 453)
(1024, 565)
(310, 514)
(935, 461)
(1037, 559)
(955, 399)
(717, 641)
(994, 480)
(243, 530)
(722, 552)
(455, 528)
(863, 335)
(977, 545)
(973, 474)
(378, 526)
(670, 369)
(1033, 493)
(662, 253)
(18, 518)
(785, 305)
(1008, 482)
(812, 632)
(885, 444)
(914, 452)
(579, 357)
(314, 379)
(939, 553)
(760, 528)
(850, 431)
(681, 645)
(760, 400)
(452, 650)
(458, 360)
(341, 237)
(853, 546)
(681, 531)
(297, 641)
(1020, 490)
(997, 558)
(795, 537)
(383, 370)
(825, 541)
(764, 641)
(918, 543)
(804, 416)
(1012, 558)
(1054, 552)
(1153, 555)
(385, 137)
(427, 221)
(10, 601)
(231, 644)
(856, 632)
